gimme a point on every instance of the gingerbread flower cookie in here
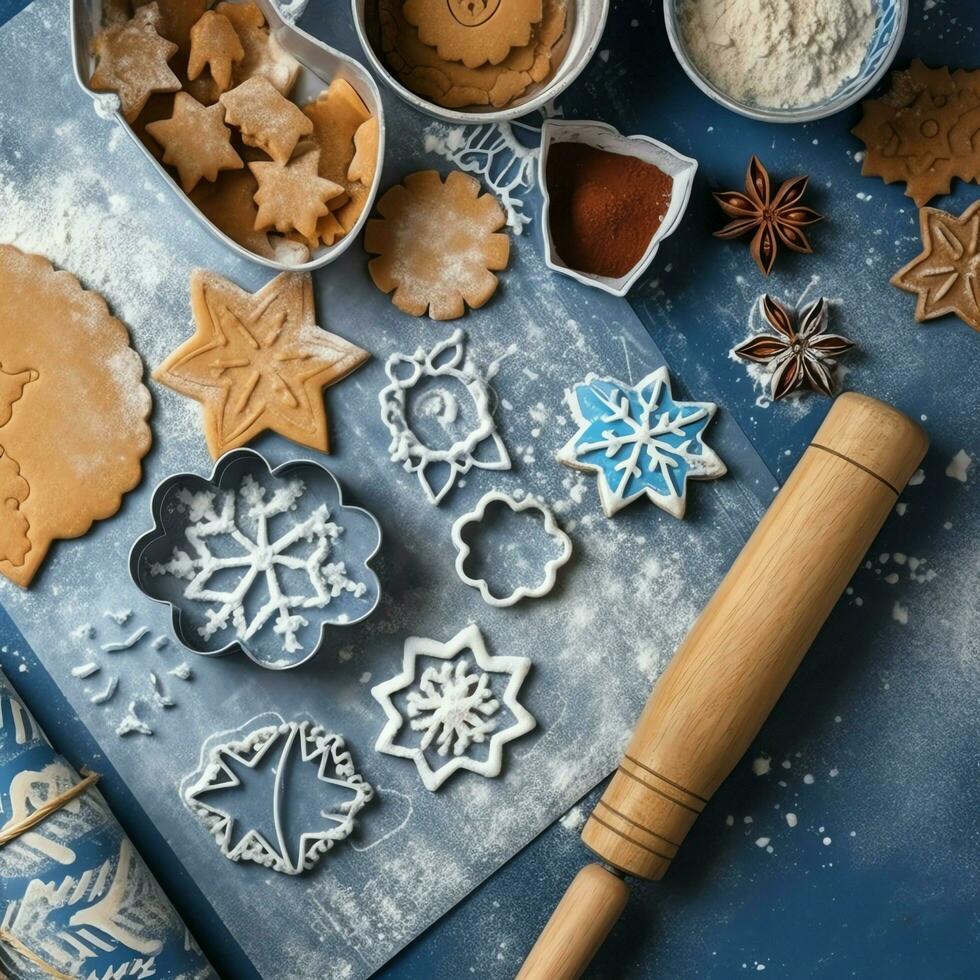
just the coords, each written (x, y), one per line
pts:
(196, 141)
(131, 60)
(473, 33)
(946, 273)
(73, 411)
(214, 45)
(437, 244)
(258, 362)
(266, 119)
(291, 197)
(924, 131)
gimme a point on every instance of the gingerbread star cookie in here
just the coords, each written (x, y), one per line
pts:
(266, 119)
(264, 55)
(73, 412)
(196, 141)
(291, 197)
(360, 173)
(215, 46)
(176, 19)
(131, 60)
(924, 131)
(436, 244)
(946, 273)
(473, 33)
(258, 361)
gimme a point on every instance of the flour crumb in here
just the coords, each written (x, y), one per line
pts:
(958, 466)
(900, 613)
(791, 820)
(574, 819)
(761, 765)
(182, 672)
(131, 723)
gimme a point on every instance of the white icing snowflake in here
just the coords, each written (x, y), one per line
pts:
(453, 706)
(213, 517)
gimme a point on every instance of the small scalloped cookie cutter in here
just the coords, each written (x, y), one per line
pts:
(407, 448)
(551, 567)
(314, 744)
(453, 708)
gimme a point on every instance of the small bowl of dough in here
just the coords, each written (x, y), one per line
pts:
(563, 40)
(844, 51)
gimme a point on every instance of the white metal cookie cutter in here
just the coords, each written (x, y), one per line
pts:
(453, 706)
(286, 745)
(551, 567)
(482, 447)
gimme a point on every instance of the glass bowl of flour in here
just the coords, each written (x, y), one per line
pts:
(785, 60)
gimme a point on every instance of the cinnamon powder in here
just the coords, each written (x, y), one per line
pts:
(605, 207)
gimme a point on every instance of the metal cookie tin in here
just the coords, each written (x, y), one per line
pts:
(320, 65)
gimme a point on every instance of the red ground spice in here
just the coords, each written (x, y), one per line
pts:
(605, 207)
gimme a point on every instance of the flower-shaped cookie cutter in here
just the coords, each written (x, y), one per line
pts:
(444, 361)
(284, 746)
(240, 571)
(551, 529)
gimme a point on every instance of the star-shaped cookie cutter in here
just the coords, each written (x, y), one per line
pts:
(468, 639)
(551, 567)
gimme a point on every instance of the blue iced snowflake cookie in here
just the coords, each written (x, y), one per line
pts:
(639, 440)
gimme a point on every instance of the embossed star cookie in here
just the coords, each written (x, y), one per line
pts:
(214, 45)
(436, 244)
(946, 273)
(473, 33)
(258, 361)
(131, 60)
(291, 197)
(265, 118)
(73, 412)
(264, 55)
(196, 141)
(924, 131)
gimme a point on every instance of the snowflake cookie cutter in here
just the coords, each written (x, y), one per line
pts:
(454, 708)
(551, 529)
(445, 361)
(639, 440)
(234, 527)
(223, 766)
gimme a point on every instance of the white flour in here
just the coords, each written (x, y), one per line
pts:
(778, 52)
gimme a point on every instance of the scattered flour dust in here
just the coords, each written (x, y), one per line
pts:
(778, 53)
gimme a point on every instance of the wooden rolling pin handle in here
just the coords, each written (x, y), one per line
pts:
(720, 686)
(588, 910)
(728, 673)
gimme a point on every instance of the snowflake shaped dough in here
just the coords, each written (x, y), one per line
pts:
(453, 706)
(438, 469)
(295, 743)
(551, 566)
(229, 546)
(639, 440)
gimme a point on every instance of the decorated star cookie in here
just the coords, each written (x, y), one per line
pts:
(638, 440)
(436, 244)
(451, 84)
(196, 141)
(473, 33)
(131, 60)
(264, 55)
(176, 19)
(215, 46)
(73, 411)
(291, 197)
(946, 273)
(266, 119)
(924, 131)
(258, 361)
(452, 708)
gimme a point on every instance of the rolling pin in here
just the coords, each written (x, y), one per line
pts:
(739, 655)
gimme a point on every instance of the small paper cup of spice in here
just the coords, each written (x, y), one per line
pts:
(609, 201)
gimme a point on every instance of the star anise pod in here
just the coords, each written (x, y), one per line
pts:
(774, 219)
(796, 357)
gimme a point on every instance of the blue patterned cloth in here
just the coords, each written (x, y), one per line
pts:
(73, 890)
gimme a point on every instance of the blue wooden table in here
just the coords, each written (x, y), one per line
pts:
(873, 748)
